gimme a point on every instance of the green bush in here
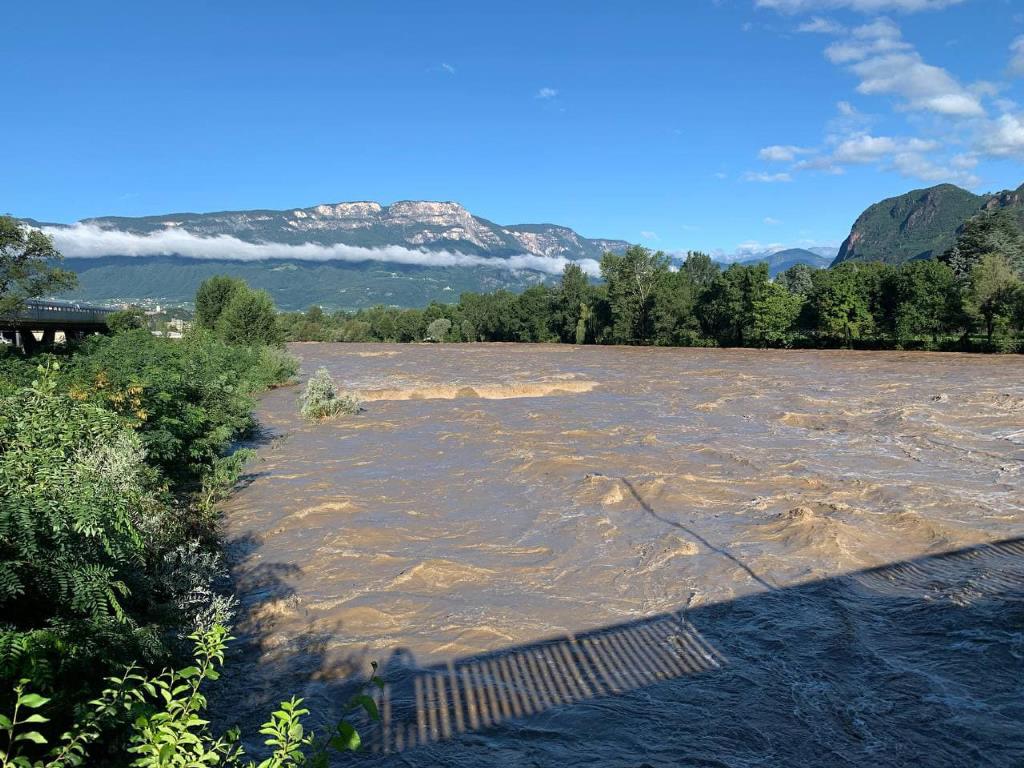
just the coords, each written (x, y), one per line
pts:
(80, 511)
(129, 319)
(188, 399)
(321, 399)
(111, 464)
(166, 724)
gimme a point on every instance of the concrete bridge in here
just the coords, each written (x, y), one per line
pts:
(40, 320)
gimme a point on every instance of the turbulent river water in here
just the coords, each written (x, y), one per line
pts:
(567, 556)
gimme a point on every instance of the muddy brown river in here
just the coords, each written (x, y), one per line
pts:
(567, 556)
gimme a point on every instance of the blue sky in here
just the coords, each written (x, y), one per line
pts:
(685, 124)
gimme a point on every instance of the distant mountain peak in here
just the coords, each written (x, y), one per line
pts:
(919, 224)
(780, 261)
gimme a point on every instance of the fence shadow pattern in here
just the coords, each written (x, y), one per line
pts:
(420, 707)
(480, 692)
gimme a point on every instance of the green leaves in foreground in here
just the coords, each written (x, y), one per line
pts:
(168, 729)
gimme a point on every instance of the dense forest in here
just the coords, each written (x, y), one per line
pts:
(969, 298)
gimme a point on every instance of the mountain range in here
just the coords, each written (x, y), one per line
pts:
(356, 254)
(342, 255)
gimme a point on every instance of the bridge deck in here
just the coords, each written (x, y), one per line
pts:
(39, 314)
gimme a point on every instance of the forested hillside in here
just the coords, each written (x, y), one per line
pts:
(921, 223)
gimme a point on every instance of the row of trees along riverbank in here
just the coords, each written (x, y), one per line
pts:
(970, 298)
(114, 597)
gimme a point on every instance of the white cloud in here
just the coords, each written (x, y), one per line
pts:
(766, 178)
(782, 153)
(771, 222)
(1017, 57)
(91, 241)
(887, 64)
(870, 149)
(547, 93)
(916, 166)
(448, 67)
(864, 6)
(747, 250)
(821, 26)
(1005, 137)
(846, 109)
(649, 235)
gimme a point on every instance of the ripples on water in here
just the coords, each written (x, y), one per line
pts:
(614, 556)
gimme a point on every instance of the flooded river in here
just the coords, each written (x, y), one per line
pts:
(569, 556)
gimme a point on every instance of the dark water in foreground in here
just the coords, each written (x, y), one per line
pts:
(589, 556)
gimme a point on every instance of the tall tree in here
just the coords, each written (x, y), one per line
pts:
(571, 302)
(28, 268)
(775, 311)
(727, 307)
(925, 299)
(701, 269)
(249, 319)
(993, 292)
(797, 279)
(213, 297)
(675, 298)
(842, 302)
(631, 280)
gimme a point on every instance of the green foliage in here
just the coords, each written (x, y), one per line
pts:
(250, 319)
(632, 279)
(994, 294)
(674, 313)
(924, 300)
(840, 303)
(99, 563)
(127, 320)
(775, 311)
(797, 279)
(187, 398)
(437, 330)
(727, 310)
(995, 232)
(571, 304)
(213, 297)
(75, 497)
(321, 400)
(27, 266)
(644, 301)
(167, 729)
(701, 269)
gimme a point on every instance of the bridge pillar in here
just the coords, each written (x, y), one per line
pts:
(49, 337)
(27, 341)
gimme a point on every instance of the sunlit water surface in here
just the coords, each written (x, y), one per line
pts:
(571, 556)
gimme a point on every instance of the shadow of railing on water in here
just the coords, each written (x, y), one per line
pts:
(481, 692)
(422, 706)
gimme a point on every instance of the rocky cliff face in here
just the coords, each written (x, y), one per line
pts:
(919, 224)
(413, 224)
